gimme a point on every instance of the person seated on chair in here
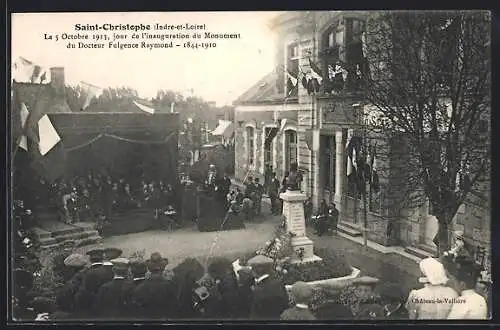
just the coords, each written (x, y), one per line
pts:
(321, 220)
(233, 219)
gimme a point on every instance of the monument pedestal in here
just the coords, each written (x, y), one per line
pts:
(293, 210)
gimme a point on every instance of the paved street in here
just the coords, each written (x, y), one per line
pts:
(188, 242)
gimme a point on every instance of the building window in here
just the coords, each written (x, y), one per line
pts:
(328, 162)
(331, 42)
(290, 148)
(250, 145)
(270, 134)
(292, 66)
(355, 62)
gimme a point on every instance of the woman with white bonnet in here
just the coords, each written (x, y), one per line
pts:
(434, 300)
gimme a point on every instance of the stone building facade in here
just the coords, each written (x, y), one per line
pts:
(316, 131)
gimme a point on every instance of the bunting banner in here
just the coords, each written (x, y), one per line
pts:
(315, 72)
(145, 108)
(27, 71)
(90, 91)
(293, 80)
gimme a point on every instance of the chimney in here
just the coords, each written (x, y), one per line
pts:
(58, 102)
(57, 80)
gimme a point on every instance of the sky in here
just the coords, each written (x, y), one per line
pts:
(219, 74)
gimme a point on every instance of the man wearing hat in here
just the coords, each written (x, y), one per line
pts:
(59, 268)
(155, 297)
(258, 192)
(463, 278)
(65, 296)
(138, 270)
(110, 302)
(95, 276)
(366, 298)
(301, 293)
(269, 298)
(393, 299)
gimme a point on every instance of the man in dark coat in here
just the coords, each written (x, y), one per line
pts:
(249, 187)
(154, 298)
(96, 275)
(110, 301)
(225, 187)
(273, 190)
(65, 296)
(270, 298)
(138, 269)
(259, 191)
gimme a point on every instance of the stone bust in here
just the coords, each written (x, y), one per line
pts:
(294, 178)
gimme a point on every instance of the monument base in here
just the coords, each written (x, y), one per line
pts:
(304, 250)
(293, 210)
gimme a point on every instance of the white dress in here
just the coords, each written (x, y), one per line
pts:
(469, 306)
(432, 302)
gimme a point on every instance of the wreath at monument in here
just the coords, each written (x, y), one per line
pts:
(279, 248)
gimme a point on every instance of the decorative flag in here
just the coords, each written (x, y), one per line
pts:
(350, 133)
(304, 81)
(354, 159)
(374, 177)
(282, 126)
(292, 79)
(315, 72)
(331, 72)
(90, 92)
(23, 141)
(44, 144)
(349, 165)
(145, 108)
(172, 107)
(48, 135)
(23, 69)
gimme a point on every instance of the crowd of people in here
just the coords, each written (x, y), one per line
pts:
(106, 286)
(93, 196)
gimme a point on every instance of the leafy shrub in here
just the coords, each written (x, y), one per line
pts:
(332, 266)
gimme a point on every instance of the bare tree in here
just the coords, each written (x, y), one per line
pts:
(429, 84)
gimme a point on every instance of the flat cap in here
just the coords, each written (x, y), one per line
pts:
(112, 253)
(120, 262)
(75, 260)
(260, 260)
(365, 280)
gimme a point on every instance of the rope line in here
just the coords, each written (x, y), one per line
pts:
(166, 140)
(85, 143)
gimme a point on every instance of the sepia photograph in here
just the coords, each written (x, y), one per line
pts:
(250, 166)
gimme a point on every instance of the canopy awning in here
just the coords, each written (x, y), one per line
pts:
(225, 129)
